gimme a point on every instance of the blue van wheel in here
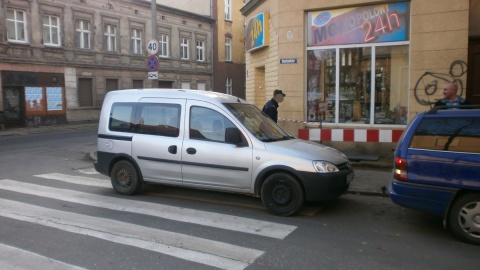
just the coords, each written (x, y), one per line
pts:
(464, 218)
(282, 195)
(124, 178)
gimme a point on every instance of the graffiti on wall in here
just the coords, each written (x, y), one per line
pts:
(430, 82)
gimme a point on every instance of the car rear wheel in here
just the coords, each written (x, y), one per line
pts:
(125, 178)
(464, 218)
(282, 194)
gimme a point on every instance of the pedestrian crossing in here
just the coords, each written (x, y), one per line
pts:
(185, 247)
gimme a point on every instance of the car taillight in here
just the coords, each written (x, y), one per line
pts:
(400, 172)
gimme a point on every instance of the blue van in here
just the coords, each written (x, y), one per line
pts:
(437, 168)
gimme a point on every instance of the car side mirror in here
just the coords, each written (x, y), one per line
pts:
(234, 136)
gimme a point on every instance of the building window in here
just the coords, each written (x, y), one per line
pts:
(112, 84)
(200, 51)
(110, 38)
(201, 86)
(228, 86)
(51, 30)
(228, 49)
(228, 10)
(85, 92)
(137, 84)
(163, 46)
(83, 34)
(137, 47)
(16, 25)
(184, 49)
(185, 85)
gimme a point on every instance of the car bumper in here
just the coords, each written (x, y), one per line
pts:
(433, 200)
(326, 186)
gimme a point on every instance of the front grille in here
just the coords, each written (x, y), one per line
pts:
(344, 166)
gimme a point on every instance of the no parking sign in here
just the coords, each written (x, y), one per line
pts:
(152, 63)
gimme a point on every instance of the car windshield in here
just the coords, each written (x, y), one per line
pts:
(257, 122)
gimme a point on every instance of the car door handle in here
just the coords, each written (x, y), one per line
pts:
(191, 151)
(172, 149)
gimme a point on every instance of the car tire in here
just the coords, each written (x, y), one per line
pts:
(464, 218)
(125, 178)
(282, 194)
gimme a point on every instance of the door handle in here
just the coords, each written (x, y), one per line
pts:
(172, 149)
(191, 151)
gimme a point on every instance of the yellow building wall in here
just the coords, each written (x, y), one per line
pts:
(234, 28)
(438, 37)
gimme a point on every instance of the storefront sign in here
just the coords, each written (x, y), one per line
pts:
(257, 35)
(366, 24)
(288, 61)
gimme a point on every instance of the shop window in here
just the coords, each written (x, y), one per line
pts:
(201, 86)
(344, 89)
(185, 85)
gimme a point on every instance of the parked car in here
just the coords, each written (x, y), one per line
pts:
(437, 168)
(214, 141)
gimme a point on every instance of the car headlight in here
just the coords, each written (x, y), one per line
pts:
(324, 167)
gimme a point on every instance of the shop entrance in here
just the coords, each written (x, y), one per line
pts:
(13, 106)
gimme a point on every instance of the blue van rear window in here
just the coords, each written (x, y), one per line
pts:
(458, 134)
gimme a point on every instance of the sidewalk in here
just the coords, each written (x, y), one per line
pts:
(370, 176)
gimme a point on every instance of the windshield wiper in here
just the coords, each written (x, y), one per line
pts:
(284, 138)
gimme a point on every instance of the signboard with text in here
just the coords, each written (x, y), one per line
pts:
(258, 34)
(359, 25)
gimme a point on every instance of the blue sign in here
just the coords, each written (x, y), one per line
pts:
(152, 63)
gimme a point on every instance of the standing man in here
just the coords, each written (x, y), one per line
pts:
(450, 96)
(271, 107)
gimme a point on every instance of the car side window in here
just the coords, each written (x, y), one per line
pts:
(456, 134)
(208, 124)
(158, 119)
(121, 117)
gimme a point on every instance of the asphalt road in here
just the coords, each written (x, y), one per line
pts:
(57, 213)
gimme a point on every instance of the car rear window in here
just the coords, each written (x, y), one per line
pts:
(457, 134)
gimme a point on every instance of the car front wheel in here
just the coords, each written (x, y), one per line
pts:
(282, 194)
(464, 218)
(125, 178)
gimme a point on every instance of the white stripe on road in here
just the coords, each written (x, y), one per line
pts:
(208, 252)
(13, 258)
(79, 180)
(227, 222)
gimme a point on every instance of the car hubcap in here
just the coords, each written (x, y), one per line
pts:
(469, 219)
(124, 178)
(281, 194)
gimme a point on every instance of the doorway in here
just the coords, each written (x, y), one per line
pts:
(13, 106)
(473, 80)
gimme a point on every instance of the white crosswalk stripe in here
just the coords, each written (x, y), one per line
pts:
(221, 221)
(186, 247)
(213, 253)
(13, 258)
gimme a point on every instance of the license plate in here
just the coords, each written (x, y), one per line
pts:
(350, 177)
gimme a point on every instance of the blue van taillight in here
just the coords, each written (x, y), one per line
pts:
(400, 172)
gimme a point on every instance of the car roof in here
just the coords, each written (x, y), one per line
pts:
(137, 94)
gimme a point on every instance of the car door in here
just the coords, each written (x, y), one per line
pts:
(207, 159)
(158, 139)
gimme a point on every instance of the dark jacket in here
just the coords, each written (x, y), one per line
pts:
(271, 110)
(446, 102)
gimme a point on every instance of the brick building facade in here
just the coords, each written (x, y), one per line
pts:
(59, 58)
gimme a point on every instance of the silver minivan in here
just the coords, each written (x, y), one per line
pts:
(209, 140)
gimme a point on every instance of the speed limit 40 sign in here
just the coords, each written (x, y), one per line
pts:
(152, 46)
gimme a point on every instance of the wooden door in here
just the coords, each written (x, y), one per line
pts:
(473, 79)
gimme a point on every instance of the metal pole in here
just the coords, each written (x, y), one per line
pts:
(154, 31)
